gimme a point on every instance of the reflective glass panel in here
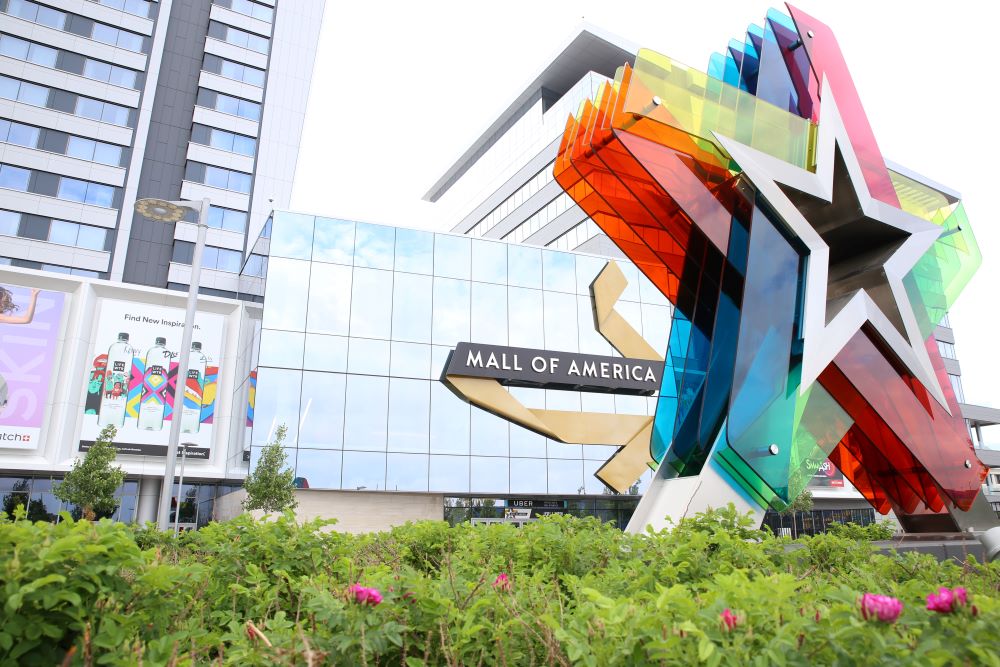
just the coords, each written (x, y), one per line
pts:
(414, 251)
(490, 474)
(452, 256)
(656, 326)
(406, 472)
(528, 476)
(524, 266)
(318, 468)
(591, 484)
(525, 323)
(364, 471)
(449, 473)
(329, 298)
(558, 271)
(291, 235)
(277, 403)
(449, 421)
(285, 294)
(333, 241)
(489, 261)
(411, 315)
(630, 405)
(411, 360)
(525, 443)
(409, 412)
(565, 476)
(562, 450)
(368, 356)
(591, 341)
(321, 423)
(489, 313)
(281, 348)
(587, 268)
(489, 434)
(560, 322)
(439, 357)
(556, 399)
(326, 353)
(451, 311)
(371, 303)
(631, 292)
(365, 415)
(373, 246)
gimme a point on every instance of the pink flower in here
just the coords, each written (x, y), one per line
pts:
(728, 619)
(363, 595)
(883, 607)
(947, 600)
(502, 582)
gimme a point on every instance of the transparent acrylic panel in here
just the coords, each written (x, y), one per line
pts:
(371, 303)
(285, 295)
(489, 313)
(319, 468)
(449, 422)
(449, 474)
(411, 315)
(321, 420)
(565, 476)
(281, 348)
(277, 403)
(451, 311)
(490, 474)
(414, 251)
(591, 341)
(366, 416)
(291, 235)
(560, 320)
(452, 256)
(558, 271)
(410, 360)
(528, 476)
(588, 268)
(364, 471)
(326, 353)
(489, 262)
(489, 434)
(406, 472)
(524, 266)
(374, 246)
(409, 415)
(525, 443)
(525, 324)
(368, 356)
(329, 298)
(333, 241)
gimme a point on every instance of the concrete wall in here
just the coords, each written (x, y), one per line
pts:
(355, 511)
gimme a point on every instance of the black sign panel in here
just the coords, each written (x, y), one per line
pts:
(524, 367)
(193, 453)
(535, 503)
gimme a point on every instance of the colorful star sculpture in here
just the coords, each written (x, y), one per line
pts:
(807, 276)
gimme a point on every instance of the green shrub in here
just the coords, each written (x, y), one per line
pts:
(575, 591)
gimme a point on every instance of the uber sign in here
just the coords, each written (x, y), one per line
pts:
(524, 367)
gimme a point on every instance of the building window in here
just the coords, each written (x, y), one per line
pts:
(81, 25)
(550, 212)
(218, 177)
(227, 218)
(228, 104)
(576, 236)
(41, 96)
(956, 385)
(218, 259)
(143, 8)
(46, 56)
(507, 206)
(237, 37)
(14, 178)
(233, 70)
(86, 192)
(947, 350)
(61, 143)
(249, 8)
(223, 140)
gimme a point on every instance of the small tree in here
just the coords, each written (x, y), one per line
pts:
(92, 482)
(271, 487)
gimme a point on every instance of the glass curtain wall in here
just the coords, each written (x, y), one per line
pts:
(357, 324)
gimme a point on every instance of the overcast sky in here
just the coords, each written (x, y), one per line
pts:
(400, 90)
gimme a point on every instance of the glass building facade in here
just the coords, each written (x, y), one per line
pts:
(357, 324)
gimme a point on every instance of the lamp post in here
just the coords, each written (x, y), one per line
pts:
(173, 211)
(180, 488)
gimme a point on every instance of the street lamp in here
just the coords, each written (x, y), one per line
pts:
(172, 211)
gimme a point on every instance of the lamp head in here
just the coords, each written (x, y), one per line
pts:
(159, 209)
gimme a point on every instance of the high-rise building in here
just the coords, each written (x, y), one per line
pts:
(108, 101)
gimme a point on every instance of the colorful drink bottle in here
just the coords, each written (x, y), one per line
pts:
(194, 390)
(155, 382)
(116, 376)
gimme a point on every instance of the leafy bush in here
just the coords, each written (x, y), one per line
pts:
(876, 531)
(574, 591)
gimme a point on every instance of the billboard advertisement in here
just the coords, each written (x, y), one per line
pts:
(133, 376)
(30, 323)
(827, 476)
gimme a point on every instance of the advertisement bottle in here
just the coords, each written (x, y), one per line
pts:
(155, 382)
(116, 376)
(194, 390)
